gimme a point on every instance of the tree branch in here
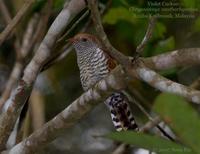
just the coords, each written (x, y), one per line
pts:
(177, 58)
(22, 92)
(148, 35)
(5, 13)
(20, 60)
(93, 5)
(151, 119)
(15, 20)
(74, 112)
(163, 84)
(138, 70)
(77, 109)
(84, 104)
(150, 124)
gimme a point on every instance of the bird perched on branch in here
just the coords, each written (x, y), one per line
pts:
(94, 64)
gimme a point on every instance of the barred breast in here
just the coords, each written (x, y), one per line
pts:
(93, 68)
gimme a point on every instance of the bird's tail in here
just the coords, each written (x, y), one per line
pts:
(120, 112)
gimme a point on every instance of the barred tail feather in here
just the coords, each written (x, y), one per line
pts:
(120, 112)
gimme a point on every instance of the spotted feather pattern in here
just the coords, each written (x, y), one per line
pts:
(120, 112)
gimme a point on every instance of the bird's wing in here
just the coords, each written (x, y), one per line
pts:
(112, 63)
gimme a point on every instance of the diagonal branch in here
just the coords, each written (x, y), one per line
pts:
(77, 109)
(151, 119)
(20, 60)
(74, 112)
(5, 13)
(15, 20)
(93, 5)
(23, 90)
(66, 119)
(148, 34)
(84, 104)
(151, 124)
(139, 70)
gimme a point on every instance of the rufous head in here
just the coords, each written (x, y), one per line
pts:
(84, 38)
(83, 42)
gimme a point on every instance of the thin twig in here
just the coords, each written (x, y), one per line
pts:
(7, 17)
(43, 23)
(148, 35)
(146, 113)
(151, 124)
(15, 20)
(64, 51)
(54, 59)
(85, 14)
(28, 36)
(61, 53)
(14, 76)
(151, 119)
(139, 70)
(125, 61)
(19, 64)
(73, 113)
(4, 11)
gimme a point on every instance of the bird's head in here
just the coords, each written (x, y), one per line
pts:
(84, 41)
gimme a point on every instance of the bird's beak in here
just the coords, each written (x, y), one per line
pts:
(70, 40)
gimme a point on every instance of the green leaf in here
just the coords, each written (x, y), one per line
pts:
(159, 30)
(189, 3)
(196, 26)
(194, 5)
(164, 45)
(38, 5)
(116, 14)
(169, 72)
(140, 32)
(181, 117)
(149, 142)
(58, 4)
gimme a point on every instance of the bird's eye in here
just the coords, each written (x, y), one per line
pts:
(84, 39)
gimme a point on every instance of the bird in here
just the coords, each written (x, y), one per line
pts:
(95, 64)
